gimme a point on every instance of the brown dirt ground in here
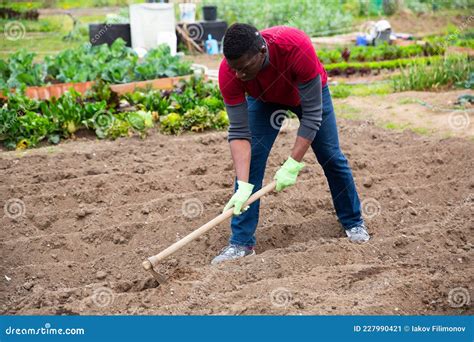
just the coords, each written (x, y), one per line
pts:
(94, 210)
(427, 23)
(425, 112)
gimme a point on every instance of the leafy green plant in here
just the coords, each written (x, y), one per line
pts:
(68, 111)
(114, 64)
(171, 123)
(159, 63)
(25, 122)
(444, 72)
(120, 127)
(140, 120)
(20, 70)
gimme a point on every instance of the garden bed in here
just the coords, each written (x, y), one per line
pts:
(192, 104)
(364, 68)
(116, 64)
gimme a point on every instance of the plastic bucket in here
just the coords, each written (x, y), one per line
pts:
(209, 13)
(147, 20)
(187, 13)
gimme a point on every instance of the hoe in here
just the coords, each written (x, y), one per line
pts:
(152, 261)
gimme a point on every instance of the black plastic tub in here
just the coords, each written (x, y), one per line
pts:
(108, 33)
(209, 13)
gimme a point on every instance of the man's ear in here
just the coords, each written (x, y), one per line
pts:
(263, 49)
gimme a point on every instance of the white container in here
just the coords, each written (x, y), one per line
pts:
(187, 13)
(168, 38)
(148, 21)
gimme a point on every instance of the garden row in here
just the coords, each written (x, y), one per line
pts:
(378, 53)
(351, 68)
(115, 64)
(194, 105)
(453, 71)
(432, 46)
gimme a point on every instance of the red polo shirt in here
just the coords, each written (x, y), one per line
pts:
(292, 61)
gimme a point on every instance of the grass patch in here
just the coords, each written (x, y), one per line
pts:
(420, 130)
(41, 43)
(342, 91)
(97, 18)
(407, 100)
(51, 23)
(395, 126)
(400, 127)
(346, 111)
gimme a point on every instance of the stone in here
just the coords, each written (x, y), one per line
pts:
(28, 285)
(101, 275)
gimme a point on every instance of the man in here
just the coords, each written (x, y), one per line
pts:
(278, 70)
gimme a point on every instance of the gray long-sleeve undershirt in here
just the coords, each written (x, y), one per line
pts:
(312, 113)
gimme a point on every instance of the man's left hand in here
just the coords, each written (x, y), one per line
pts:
(287, 174)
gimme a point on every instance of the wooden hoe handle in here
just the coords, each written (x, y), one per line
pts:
(153, 260)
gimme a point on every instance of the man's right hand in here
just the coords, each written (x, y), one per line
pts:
(244, 191)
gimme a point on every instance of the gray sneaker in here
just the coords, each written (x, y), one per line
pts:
(358, 234)
(232, 252)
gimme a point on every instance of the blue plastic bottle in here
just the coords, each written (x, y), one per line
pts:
(211, 46)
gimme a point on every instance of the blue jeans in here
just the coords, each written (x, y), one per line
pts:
(328, 153)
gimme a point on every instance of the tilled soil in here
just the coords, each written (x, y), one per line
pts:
(89, 212)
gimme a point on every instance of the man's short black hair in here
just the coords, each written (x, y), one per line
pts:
(240, 39)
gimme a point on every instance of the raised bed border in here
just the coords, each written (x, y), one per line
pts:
(56, 90)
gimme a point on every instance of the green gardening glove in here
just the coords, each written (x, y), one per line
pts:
(244, 190)
(287, 174)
